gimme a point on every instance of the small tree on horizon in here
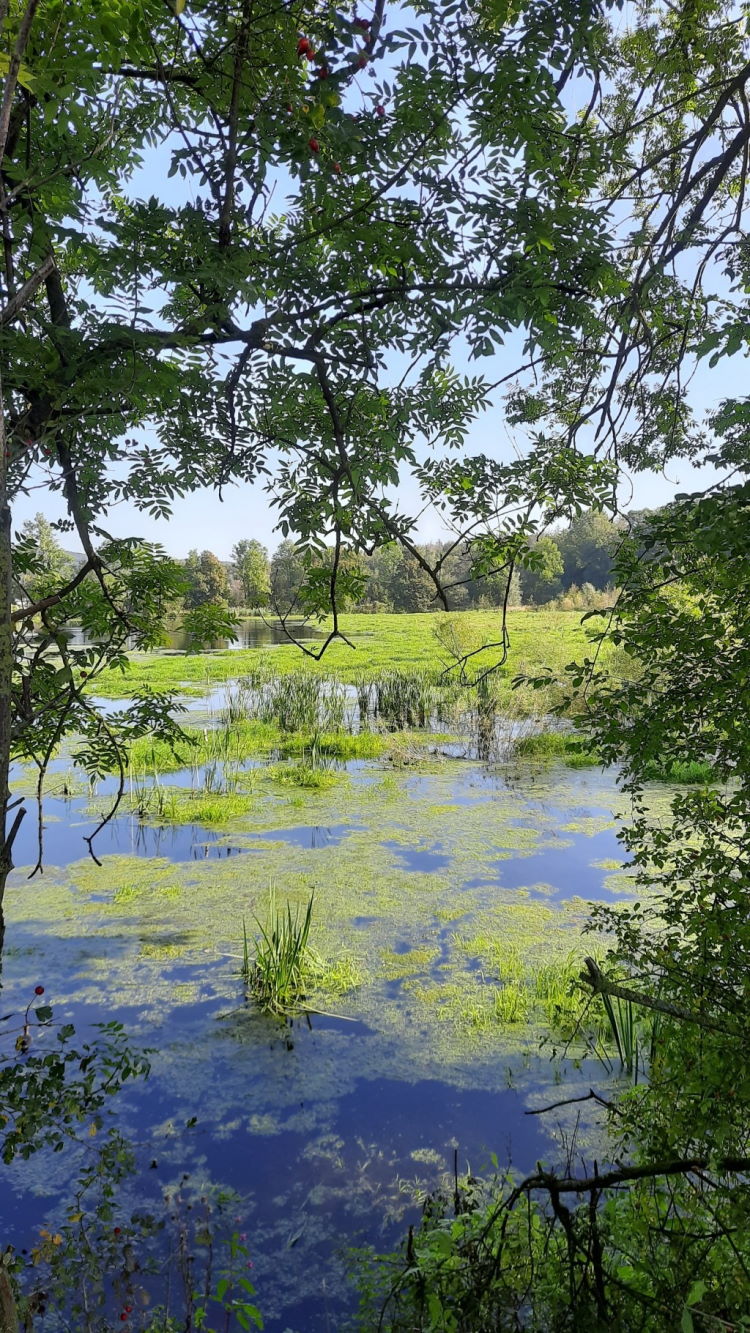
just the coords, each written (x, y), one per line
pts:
(251, 566)
(208, 581)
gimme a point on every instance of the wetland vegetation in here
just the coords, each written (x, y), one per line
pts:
(379, 971)
(320, 898)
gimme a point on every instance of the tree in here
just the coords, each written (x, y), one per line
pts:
(541, 581)
(287, 576)
(48, 564)
(412, 589)
(268, 337)
(251, 566)
(588, 546)
(208, 583)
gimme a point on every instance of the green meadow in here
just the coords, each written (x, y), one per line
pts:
(426, 642)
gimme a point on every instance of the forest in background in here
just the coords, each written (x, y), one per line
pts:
(573, 565)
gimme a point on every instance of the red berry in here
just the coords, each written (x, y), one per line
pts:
(322, 73)
(39, 990)
(303, 46)
(337, 168)
(311, 54)
(313, 145)
(379, 110)
(364, 24)
(116, 1231)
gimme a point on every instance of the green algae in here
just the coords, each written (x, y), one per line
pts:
(393, 966)
(589, 824)
(425, 953)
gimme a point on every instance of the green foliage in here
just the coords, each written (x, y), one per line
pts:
(48, 1095)
(278, 976)
(207, 622)
(252, 569)
(207, 581)
(311, 776)
(573, 749)
(106, 1268)
(41, 559)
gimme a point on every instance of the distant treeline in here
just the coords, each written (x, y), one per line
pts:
(573, 568)
(575, 565)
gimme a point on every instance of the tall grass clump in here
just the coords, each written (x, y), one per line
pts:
(571, 747)
(277, 975)
(301, 701)
(148, 799)
(622, 1025)
(238, 702)
(680, 770)
(404, 699)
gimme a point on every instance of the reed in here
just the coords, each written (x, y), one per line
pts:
(402, 699)
(622, 1026)
(277, 976)
(511, 1002)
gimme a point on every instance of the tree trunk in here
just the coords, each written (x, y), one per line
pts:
(6, 670)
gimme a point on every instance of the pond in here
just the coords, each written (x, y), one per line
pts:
(432, 885)
(255, 633)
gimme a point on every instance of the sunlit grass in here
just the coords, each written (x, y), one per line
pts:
(381, 642)
(282, 970)
(680, 770)
(312, 777)
(570, 747)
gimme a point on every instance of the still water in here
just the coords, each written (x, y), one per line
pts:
(254, 633)
(325, 1129)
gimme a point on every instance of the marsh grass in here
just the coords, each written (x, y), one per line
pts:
(542, 638)
(622, 1021)
(403, 700)
(306, 774)
(512, 1003)
(283, 969)
(278, 974)
(680, 771)
(571, 748)
(301, 701)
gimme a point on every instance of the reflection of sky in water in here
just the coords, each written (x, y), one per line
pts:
(304, 1123)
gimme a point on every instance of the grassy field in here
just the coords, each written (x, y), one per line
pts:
(379, 642)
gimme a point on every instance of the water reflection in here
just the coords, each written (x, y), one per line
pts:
(249, 634)
(315, 1128)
